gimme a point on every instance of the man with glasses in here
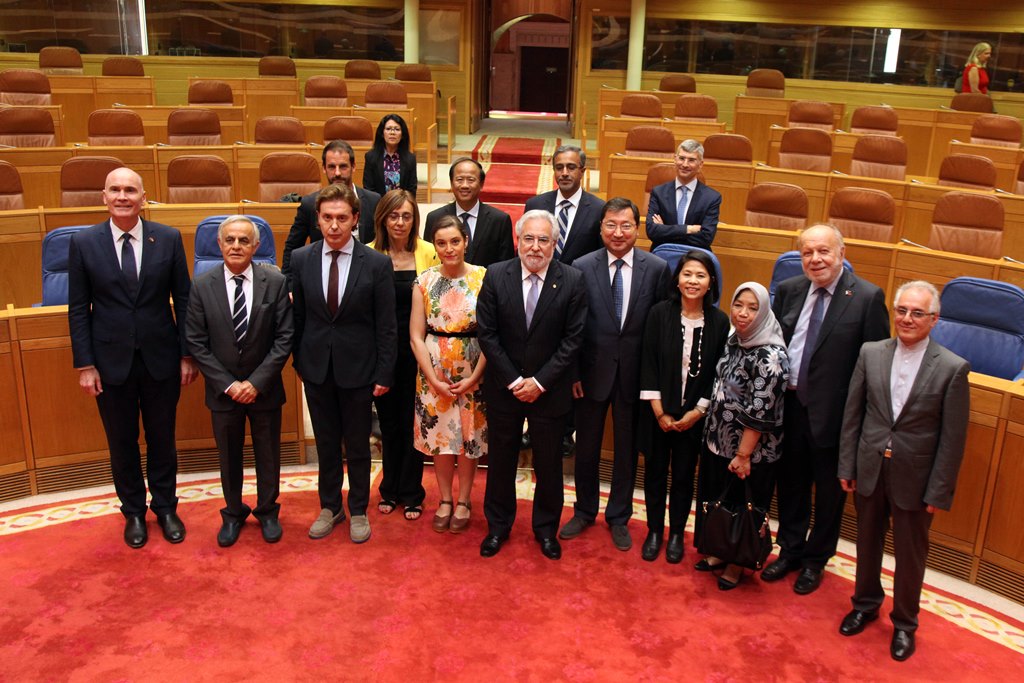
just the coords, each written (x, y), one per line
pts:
(622, 284)
(684, 210)
(490, 229)
(904, 432)
(826, 315)
(530, 312)
(339, 165)
(577, 211)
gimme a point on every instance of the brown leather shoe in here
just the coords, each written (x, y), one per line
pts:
(460, 524)
(441, 522)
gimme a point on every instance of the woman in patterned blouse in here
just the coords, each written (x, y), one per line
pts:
(743, 430)
(390, 164)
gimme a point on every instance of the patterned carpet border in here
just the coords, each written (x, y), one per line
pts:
(971, 617)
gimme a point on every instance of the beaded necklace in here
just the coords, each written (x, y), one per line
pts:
(699, 333)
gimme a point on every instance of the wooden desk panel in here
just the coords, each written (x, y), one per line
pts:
(733, 181)
(314, 118)
(937, 267)
(164, 154)
(614, 131)
(1004, 540)
(422, 98)
(21, 238)
(131, 91)
(39, 168)
(897, 189)
(13, 456)
(916, 127)
(82, 95)
(270, 96)
(949, 125)
(842, 148)
(247, 166)
(873, 261)
(609, 101)
(754, 117)
(154, 122)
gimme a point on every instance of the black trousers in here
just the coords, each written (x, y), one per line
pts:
(804, 465)
(590, 418)
(229, 432)
(910, 541)
(505, 430)
(402, 479)
(120, 407)
(678, 451)
(341, 415)
(713, 476)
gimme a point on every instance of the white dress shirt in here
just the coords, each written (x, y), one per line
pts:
(796, 343)
(905, 364)
(136, 234)
(229, 281)
(474, 214)
(344, 265)
(542, 274)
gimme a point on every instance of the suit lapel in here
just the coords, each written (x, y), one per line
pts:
(220, 294)
(639, 272)
(885, 375)
(601, 270)
(580, 219)
(259, 293)
(515, 285)
(353, 276)
(692, 206)
(547, 293)
(841, 299)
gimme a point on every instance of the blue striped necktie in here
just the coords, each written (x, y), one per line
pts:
(563, 227)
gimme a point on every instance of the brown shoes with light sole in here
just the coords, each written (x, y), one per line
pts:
(460, 524)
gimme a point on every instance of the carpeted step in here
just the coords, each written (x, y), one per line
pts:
(515, 183)
(509, 150)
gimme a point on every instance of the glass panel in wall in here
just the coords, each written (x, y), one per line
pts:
(93, 27)
(667, 45)
(609, 42)
(239, 29)
(440, 36)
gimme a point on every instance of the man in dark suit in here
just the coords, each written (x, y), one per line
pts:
(578, 212)
(129, 351)
(490, 229)
(622, 284)
(826, 315)
(904, 433)
(239, 330)
(685, 210)
(339, 162)
(531, 312)
(579, 229)
(345, 348)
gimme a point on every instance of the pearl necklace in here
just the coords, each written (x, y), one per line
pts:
(700, 343)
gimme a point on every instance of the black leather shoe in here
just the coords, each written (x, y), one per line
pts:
(808, 581)
(550, 548)
(228, 533)
(855, 621)
(674, 549)
(491, 545)
(271, 529)
(778, 569)
(902, 645)
(135, 534)
(651, 547)
(173, 527)
(568, 446)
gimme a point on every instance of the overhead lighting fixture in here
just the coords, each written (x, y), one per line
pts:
(892, 51)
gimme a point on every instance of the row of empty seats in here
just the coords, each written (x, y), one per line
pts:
(191, 179)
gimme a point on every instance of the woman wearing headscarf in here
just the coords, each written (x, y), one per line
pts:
(743, 429)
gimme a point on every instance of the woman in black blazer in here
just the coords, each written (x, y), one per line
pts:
(390, 164)
(684, 338)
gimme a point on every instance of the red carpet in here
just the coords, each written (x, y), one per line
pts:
(515, 183)
(415, 605)
(508, 150)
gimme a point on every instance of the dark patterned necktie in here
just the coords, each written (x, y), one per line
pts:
(238, 310)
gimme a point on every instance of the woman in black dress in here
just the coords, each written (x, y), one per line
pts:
(684, 338)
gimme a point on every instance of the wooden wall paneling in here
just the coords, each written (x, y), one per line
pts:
(39, 168)
(21, 237)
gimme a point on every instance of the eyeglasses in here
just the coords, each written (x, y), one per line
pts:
(389, 129)
(624, 227)
(916, 314)
(530, 240)
(404, 217)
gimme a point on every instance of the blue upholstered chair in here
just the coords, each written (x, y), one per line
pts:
(671, 253)
(208, 252)
(56, 246)
(982, 321)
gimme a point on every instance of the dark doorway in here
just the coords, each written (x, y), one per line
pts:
(544, 79)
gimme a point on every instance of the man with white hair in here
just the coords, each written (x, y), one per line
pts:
(531, 313)
(903, 438)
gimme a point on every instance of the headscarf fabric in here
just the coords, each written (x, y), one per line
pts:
(765, 329)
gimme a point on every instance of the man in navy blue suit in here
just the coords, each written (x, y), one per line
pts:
(684, 210)
(129, 346)
(622, 284)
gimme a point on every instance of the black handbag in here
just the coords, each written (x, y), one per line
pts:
(736, 533)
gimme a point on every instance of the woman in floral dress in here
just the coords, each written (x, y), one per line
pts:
(450, 422)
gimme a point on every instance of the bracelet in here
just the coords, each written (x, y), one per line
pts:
(701, 410)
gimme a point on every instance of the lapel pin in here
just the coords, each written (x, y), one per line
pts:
(554, 286)
(848, 292)
(151, 240)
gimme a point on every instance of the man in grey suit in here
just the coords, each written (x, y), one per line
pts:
(239, 331)
(346, 342)
(826, 315)
(339, 165)
(622, 284)
(490, 229)
(904, 432)
(530, 313)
